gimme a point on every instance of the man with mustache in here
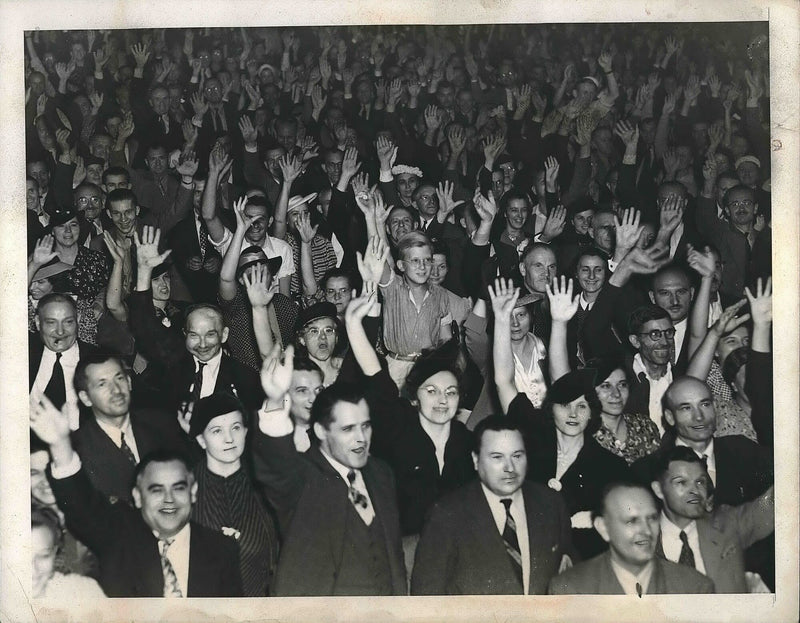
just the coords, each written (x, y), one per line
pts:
(513, 535)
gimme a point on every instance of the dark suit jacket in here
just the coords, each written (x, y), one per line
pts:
(311, 501)
(744, 469)
(399, 439)
(130, 564)
(159, 343)
(185, 244)
(461, 551)
(110, 472)
(36, 349)
(597, 577)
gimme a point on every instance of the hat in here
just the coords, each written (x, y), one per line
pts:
(206, 409)
(51, 269)
(323, 309)
(441, 359)
(61, 216)
(90, 160)
(571, 386)
(527, 299)
(591, 79)
(160, 270)
(603, 367)
(269, 67)
(743, 159)
(399, 169)
(255, 255)
(582, 204)
(298, 200)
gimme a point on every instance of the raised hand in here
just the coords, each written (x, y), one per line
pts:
(702, 262)
(199, 104)
(503, 297)
(554, 224)
(551, 168)
(671, 162)
(187, 165)
(100, 59)
(387, 152)
(350, 163)
(444, 192)
(628, 229)
(457, 139)
(43, 251)
(255, 282)
(248, 130)
(304, 228)
(395, 91)
(361, 306)
(761, 303)
(50, 424)
(710, 169)
(126, 128)
(539, 104)
(41, 104)
(243, 221)
(118, 250)
(141, 53)
(585, 125)
(147, 255)
(563, 306)
(605, 61)
(309, 148)
(96, 99)
(692, 90)
(318, 100)
(433, 118)
(486, 207)
(62, 138)
(670, 215)
(628, 132)
(361, 192)
(291, 168)
(276, 372)
(372, 263)
(728, 320)
(670, 100)
(493, 147)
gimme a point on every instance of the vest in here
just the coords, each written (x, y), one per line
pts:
(364, 567)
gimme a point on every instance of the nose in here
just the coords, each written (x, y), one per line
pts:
(697, 415)
(360, 437)
(508, 465)
(228, 437)
(168, 495)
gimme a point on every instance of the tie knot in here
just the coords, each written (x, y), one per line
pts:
(507, 503)
(683, 537)
(164, 545)
(200, 366)
(351, 476)
(58, 356)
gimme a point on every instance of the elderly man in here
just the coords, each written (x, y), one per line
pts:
(336, 479)
(498, 535)
(694, 533)
(152, 550)
(628, 521)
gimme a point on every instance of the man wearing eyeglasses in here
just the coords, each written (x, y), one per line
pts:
(88, 200)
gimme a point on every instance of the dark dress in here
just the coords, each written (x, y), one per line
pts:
(582, 483)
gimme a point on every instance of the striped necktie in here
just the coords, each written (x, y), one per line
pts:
(171, 586)
(126, 449)
(687, 555)
(511, 541)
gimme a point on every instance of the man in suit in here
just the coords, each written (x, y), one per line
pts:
(628, 522)
(672, 291)
(336, 505)
(498, 535)
(54, 352)
(711, 541)
(152, 550)
(113, 438)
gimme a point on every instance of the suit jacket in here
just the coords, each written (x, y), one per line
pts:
(744, 469)
(597, 577)
(185, 244)
(311, 501)
(461, 551)
(36, 349)
(108, 469)
(130, 564)
(726, 533)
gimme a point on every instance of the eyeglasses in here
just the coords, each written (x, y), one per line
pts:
(419, 262)
(314, 332)
(656, 334)
(82, 201)
(746, 203)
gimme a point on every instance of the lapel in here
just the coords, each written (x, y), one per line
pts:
(710, 546)
(608, 583)
(199, 581)
(658, 584)
(150, 579)
(536, 517)
(335, 501)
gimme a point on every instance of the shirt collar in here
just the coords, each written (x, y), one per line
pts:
(211, 363)
(629, 580)
(340, 468)
(114, 432)
(493, 498)
(639, 368)
(671, 531)
(708, 452)
(180, 540)
(69, 356)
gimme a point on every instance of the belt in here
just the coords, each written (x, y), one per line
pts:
(412, 357)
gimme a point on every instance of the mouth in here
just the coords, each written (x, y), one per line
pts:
(170, 511)
(359, 451)
(643, 543)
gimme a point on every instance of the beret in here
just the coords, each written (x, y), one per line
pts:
(206, 409)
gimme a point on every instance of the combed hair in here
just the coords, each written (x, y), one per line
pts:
(56, 297)
(621, 484)
(412, 240)
(80, 380)
(644, 314)
(328, 398)
(496, 423)
(162, 455)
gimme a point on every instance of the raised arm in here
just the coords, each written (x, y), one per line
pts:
(42, 253)
(374, 264)
(563, 306)
(260, 297)
(503, 296)
(227, 273)
(306, 233)
(362, 349)
(291, 168)
(758, 383)
(115, 292)
(704, 264)
(700, 363)
(219, 164)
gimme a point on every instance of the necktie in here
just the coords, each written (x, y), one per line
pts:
(359, 500)
(56, 389)
(126, 449)
(203, 238)
(511, 541)
(165, 123)
(171, 587)
(162, 186)
(687, 555)
(197, 386)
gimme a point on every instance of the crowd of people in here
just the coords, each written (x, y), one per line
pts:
(400, 310)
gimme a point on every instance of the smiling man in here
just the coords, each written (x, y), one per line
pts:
(672, 291)
(333, 493)
(512, 535)
(152, 550)
(628, 521)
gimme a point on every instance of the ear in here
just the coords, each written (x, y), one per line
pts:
(84, 397)
(270, 221)
(656, 487)
(225, 332)
(600, 526)
(137, 497)
(37, 322)
(522, 268)
(652, 296)
(591, 233)
(320, 432)
(201, 442)
(635, 341)
(193, 492)
(691, 294)
(401, 266)
(301, 339)
(137, 210)
(475, 461)
(669, 416)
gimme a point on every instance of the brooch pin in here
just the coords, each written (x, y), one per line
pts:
(231, 532)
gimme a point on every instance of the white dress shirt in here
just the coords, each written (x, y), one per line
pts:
(368, 513)
(658, 388)
(178, 556)
(708, 453)
(680, 335)
(69, 361)
(671, 542)
(629, 581)
(273, 247)
(115, 434)
(517, 510)
(210, 373)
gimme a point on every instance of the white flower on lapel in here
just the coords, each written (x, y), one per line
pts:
(554, 484)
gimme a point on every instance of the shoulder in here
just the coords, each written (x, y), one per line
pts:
(211, 540)
(580, 577)
(681, 579)
(542, 497)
